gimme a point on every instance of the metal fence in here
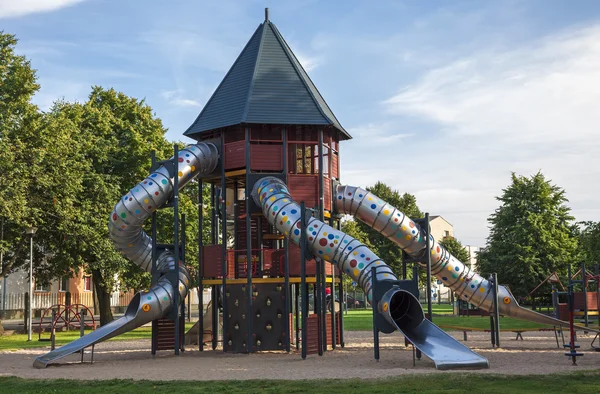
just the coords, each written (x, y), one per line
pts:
(16, 301)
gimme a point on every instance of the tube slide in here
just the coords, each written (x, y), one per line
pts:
(400, 229)
(125, 229)
(352, 257)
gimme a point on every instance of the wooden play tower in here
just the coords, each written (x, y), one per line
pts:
(268, 119)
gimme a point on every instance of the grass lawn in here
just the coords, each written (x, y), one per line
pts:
(19, 341)
(581, 382)
(362, 320)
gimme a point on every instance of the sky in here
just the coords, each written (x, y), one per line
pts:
(443, 99)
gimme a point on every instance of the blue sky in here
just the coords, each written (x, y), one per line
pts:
(443, 99)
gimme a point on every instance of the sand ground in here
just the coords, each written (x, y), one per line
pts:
(536, 354)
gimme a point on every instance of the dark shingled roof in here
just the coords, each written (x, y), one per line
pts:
(265, 85)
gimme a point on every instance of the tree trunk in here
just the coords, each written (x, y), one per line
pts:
(103, 295)
(1, 328)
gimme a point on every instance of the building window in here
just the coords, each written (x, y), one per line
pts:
(87, 283)
(446, 233)
(63, 284)
(42, 286)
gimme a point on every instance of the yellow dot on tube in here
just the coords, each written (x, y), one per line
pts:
(193, 168)
(355, 253)
(146, 200)
(386, 212)
(324, 233)
(449, 268)
(355, 272)
(403, 228)
(481, 289)
(180, 173)
(408, 237)
(326, 257)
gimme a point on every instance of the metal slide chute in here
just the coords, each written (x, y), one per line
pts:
(355, 259)
(125, 229)
(400, 229)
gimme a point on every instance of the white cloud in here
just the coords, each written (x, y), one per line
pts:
(377, 134)
(309, 63)
(527, 109)
(16, 8)
(175, 97)
(185, 103)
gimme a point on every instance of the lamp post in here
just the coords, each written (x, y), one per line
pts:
(31, 232)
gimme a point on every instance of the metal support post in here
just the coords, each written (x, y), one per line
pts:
(250, 342)
(286, 268)
(224, 265)
(303, 278)
(200, 267)
(496, 309)
(175, 285)
(374, 307)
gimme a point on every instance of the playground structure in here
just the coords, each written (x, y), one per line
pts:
(268, 146)
(586, 302)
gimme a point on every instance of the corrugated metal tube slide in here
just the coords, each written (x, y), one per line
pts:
(400, 229)
(352, 257)
(125, 228)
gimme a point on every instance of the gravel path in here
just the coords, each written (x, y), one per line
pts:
(537, 354)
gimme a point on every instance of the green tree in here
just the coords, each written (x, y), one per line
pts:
(19, 120)
(383, 247)
(589, 241)
(531, 234)
(117, 134)
(41, 170)
(456, 248)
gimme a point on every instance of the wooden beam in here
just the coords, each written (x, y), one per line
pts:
(235, 173)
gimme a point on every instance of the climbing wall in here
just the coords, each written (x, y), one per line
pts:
(268, 320)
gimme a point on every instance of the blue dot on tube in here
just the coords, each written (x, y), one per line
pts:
(293, 211)
(330, 236)
(373, 206)
(456, 269)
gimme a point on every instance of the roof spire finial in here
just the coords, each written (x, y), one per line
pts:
(266, 14)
